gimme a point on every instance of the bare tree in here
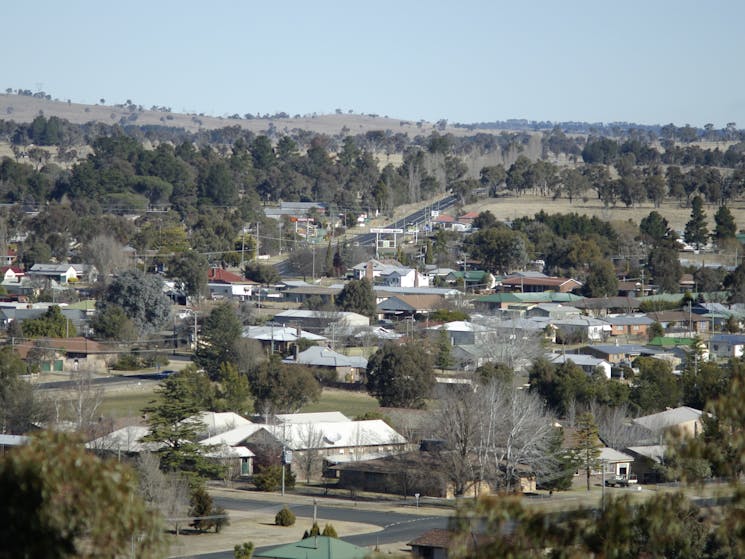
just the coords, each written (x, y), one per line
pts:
(107, 255)
(505, 342)
(615, 426)
(457, 422)
(166, 493)
(309, 458)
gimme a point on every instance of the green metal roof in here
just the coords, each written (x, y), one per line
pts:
(538, 297)
(470, 275)
(316, 547)
(663, 341)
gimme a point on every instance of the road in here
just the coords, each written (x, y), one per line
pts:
(396, 527)
(368, 239)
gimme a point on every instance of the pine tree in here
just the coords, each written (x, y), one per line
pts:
(696, 231)
(587, 444)
(725, 224)
(444, 358)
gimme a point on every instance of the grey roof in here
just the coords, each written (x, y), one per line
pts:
(612, 349)
(576, 358)
(584, 321)
(318, 356)
(629, 320)
(668, 418)
(383, 290)
(611, 455)
(378, 332)
(278, 334)
(731, 339)
(12, 440)
(655, 452)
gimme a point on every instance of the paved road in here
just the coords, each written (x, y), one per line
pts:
(117, 379)
(396, 527)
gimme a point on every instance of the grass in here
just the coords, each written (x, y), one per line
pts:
(347, 402)
(126, 404)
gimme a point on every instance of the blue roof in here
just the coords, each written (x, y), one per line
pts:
(734, 339)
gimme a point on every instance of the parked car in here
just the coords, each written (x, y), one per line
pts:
(621, 481)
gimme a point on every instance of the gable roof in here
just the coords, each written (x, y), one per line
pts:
(312, 417)
(220, 275)
(543, 281)
(318, 356)
(278, 334)
(411, 303)
(668, 418)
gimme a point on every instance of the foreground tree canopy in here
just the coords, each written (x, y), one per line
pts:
(59, 501)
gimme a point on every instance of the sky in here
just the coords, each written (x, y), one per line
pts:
(648, 62)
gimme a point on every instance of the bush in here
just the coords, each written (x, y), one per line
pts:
(285, 517)
(270, 479)
(329, 531)
(243, 551)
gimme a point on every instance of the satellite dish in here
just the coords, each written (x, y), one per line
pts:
(333, 437)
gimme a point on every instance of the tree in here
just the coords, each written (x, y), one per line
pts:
(20, 407)
(696, 231)
(587, 444)
(601, 280)
(243, 551)
(190, 269)
(654, 227)
(400, 375)
(174, 424)
(52, 324)
(221, 332)
(725, 224)
(664, 266)
(167, 493)
(262, 273)
(112, 323)
(444, 359)
(282, 388)
(657, 387)
(499, 249)
(357, 296)
(50, 488)
(141, 297)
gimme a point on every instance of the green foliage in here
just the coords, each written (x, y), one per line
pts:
(495, 372)
(217, 344)
(587, 444)
(20, 408)
(172, 422)
(282, 388)
(329, 531)
(726, 228)
(357, 296)
(262, 273)
(112, 323)
(202, 505)
(52, 324)
(656, 387)
(141, 298)
(315, 530)
(190, 268)
(655, 330)
(50, 489)
(285, 517)
(444, 359)
(448, 315)
(243, 551)
(400, 375)
(696, 232)
(654, 228)
(601, 280)
(664, 266)
(499, 249)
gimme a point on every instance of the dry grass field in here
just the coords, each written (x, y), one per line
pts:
(511, 207)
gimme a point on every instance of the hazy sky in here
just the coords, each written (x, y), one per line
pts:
(648, 62)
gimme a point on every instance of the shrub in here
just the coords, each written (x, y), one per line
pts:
(285, 517)
(243, 551)
(329, 531)
(270, 479)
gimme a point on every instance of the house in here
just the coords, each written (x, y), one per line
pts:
(67, 354)
(444, 221)
(616, 463)
(497, 301)
(580, 329)
(552, 310)
(468, 218)
(281, 338)
(226, 284)
(618, 353)
(375, 268)
(587, 363)
(294, 209)
(312, 417)
(684, 420)
(727, 345)
(628, 324)
(20, 313)
(648, 461)
(64, 273)
(215, 423)
(681, 322)
(315, 440)
(402, 306)
(403, 474)
(531, 282)
(11, 441)
(127, 440)
(470, 357)
(11, 274)
(315, 547)
(318, 321)
(472, 279)
(602, 306)
(8, 257)
(301, 294)
(460, 332)
(345, 368)
(437, 543)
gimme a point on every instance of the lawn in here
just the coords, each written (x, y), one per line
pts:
(347, 402)
(126, 404)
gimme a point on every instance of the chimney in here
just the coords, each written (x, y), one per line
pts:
(416, 278)
(369, 271)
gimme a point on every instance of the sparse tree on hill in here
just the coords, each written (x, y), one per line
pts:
(696, 231)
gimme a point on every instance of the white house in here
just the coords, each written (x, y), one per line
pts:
(587, 363)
